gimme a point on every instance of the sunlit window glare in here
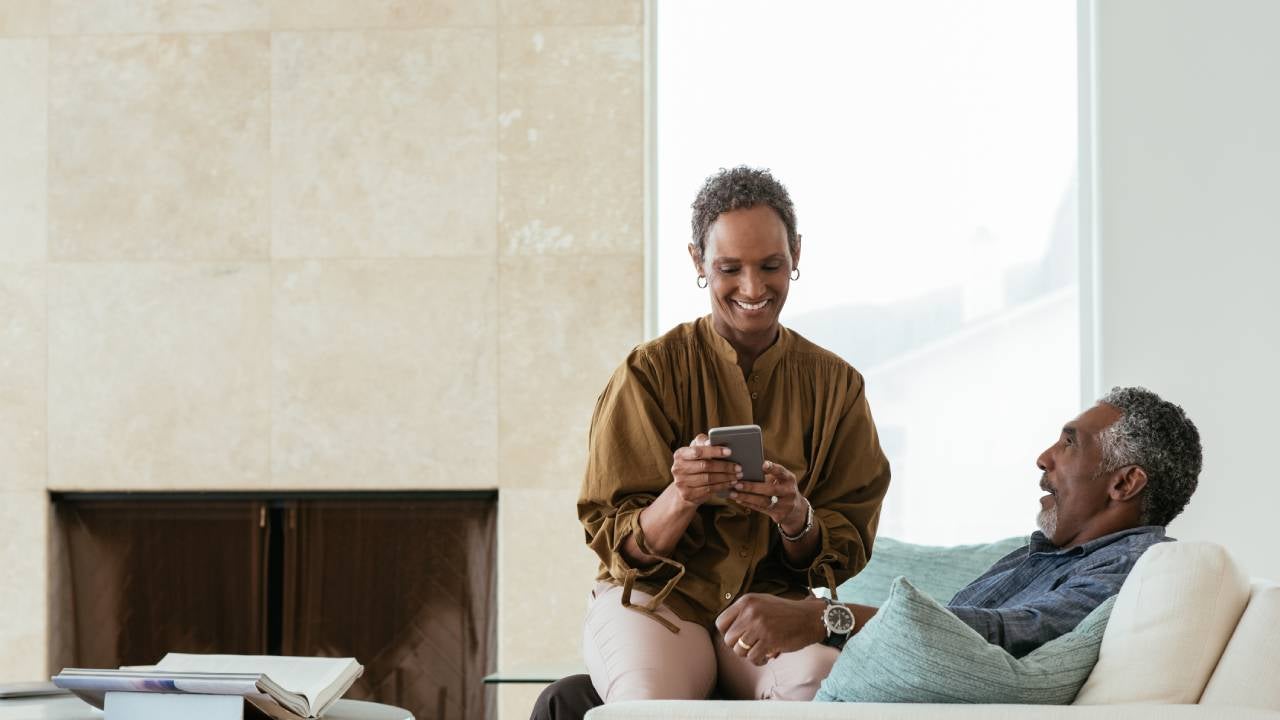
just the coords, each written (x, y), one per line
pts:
(930, 149)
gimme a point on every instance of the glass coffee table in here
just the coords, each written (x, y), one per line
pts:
(534, 676)
(70, 707)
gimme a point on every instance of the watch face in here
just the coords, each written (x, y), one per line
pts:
(838, 619)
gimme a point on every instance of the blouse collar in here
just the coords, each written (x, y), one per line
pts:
(724, 349)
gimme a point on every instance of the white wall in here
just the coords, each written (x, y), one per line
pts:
(1187, 112)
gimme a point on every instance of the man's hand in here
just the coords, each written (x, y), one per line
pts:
(768, 626)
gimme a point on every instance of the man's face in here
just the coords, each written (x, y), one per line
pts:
(1078, 492)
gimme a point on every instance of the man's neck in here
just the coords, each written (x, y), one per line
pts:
(1103, 528)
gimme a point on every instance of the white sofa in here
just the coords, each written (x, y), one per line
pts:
(1190, 637)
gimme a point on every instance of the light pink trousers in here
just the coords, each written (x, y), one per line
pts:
(632, 657)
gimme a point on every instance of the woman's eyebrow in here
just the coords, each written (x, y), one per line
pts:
(730, 258)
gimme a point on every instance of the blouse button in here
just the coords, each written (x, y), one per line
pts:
(728, 596)
(754, 396)
(742, 553)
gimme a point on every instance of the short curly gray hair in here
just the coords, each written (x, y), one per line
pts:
(741, 187)
(1157, 436)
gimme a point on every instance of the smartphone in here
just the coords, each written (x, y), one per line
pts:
(746, 446)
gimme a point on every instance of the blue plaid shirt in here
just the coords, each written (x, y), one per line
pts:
(1038, 592)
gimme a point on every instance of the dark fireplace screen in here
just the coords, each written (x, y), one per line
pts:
(403, 583)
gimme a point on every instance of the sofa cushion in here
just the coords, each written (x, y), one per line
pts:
(915, 650)
(938, 571)
(774, 710)
(1243, 677)
(1172, 618)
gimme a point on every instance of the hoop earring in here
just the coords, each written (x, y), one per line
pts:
(795, 274)
(702, 281)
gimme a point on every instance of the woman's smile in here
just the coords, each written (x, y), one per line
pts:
(751, 307)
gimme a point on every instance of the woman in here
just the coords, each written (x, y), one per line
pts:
(675, 552)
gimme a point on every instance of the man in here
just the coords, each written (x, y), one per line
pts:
(1117, 475)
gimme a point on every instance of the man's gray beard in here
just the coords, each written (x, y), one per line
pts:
(1047, 521)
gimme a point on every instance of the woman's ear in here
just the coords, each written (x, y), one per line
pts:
(696, 256)
(1129, 483)
(795, 254)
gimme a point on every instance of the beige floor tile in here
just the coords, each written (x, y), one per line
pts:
(77, 17)
(159, 147)
(572, 12)
(397, 14)
(384, 143)
(23, 347)
(24, 17)
(566, 323)
(516, 701)
(385, 374)
(545, 572)
(159, 376)
(571, 138)
(23, 658)
(23, 147)
(24, 517)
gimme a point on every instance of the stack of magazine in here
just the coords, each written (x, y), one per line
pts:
(286, 688)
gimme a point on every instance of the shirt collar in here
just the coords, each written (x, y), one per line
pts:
(1041, 544)
(724, 349)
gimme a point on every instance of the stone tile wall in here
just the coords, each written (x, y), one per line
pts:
(274, 244)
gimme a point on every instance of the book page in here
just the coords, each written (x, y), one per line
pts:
(314, 678)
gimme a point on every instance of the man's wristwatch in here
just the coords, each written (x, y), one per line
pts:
(839, 622)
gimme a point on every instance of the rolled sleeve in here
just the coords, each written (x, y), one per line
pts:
(628, 467)
(846, 498)
(613, 531)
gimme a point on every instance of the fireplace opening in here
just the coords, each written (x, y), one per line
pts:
(403, 582)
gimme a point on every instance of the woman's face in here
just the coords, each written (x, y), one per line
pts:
(748, 268)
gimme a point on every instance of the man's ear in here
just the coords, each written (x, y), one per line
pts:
(1128, 483)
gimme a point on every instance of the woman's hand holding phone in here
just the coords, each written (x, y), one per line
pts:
(700, 471)
(789, 511)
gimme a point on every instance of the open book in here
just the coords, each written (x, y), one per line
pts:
(282, 687)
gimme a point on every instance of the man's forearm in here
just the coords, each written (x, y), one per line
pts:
(861, 614)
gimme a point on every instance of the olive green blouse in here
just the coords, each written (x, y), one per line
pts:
(813, 413)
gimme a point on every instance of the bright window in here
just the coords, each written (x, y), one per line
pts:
(930, 148)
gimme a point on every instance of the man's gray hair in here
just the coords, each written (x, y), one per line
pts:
(1157, 436)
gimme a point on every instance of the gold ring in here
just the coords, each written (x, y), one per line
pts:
(744, 646)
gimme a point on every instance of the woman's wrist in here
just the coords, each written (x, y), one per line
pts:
(795, 528)
(676, 503)
(794, 522)
(665, 520)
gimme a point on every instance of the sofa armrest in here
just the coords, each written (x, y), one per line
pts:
(777, 710)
